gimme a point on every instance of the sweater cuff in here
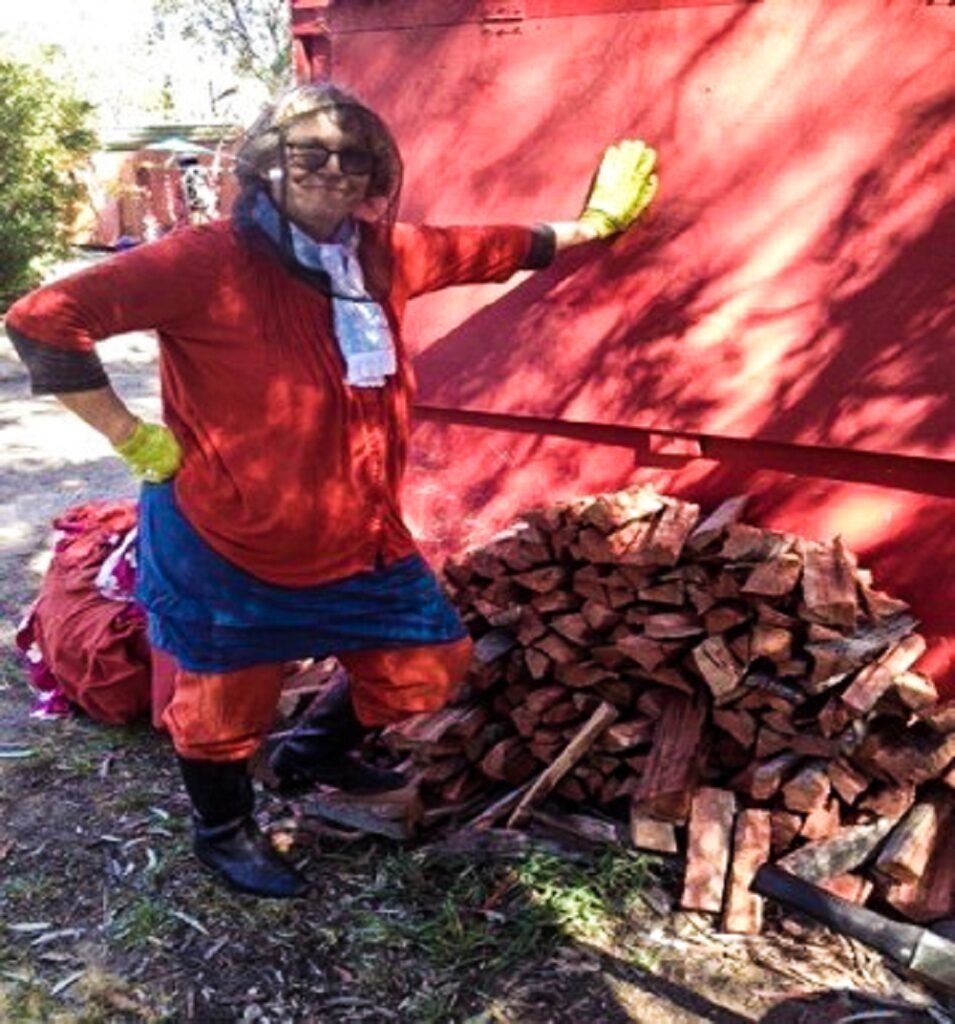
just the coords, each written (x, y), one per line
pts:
(543, 248)
(58, 370)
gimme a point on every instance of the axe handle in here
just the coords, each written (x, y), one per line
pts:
(894, 938)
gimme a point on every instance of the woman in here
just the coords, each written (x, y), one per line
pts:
(270, 524)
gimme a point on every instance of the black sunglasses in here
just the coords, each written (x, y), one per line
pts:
(311, 157)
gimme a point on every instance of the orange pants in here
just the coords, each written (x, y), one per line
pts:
(224, 716)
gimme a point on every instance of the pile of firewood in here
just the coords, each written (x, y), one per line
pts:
(734, 694)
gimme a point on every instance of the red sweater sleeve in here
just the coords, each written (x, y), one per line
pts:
(428, 258)
(150, 287)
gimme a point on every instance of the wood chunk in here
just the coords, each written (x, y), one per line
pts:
(716, 664)
(670, 677)
(879, 605)
(776, 577)
(584, 827)
(394, 815)
(940, 718)
(829, 583)
(708, 849)
(431, 727)
(571, 789)
(671, 592)
(652, 702)
(875, 679)
(530, 627)
(608, 655)
(670, 531)
(725, 587)
(667, 784)
(911, 755)
(583, 674)
(749, 543)
(648, 833)
(525, 720)
(906, 853)
(493, 645)
(767, 776)
(822, 822)
(889, 799)
(544, 697)
(673, 626)
(916, 691)
(836, 655)
(615, 691)
(852, 888)
(599, 617)
(545, 748)
(808, 790)
(770, 742)
(810, 745)
(462, 788)
(739, 724)
(440, 770)
(585, 737)
(846, 780)
(509, 761)
(722, 617)
(538, 663)
(557, 649)
(743, 913)
(784, 827)
(554, 601)
(834, 717)
(647, 653)
(608, 512)
(622, 737)
(771, 642)
(714, 526)
(770, 615)
(572, 627)
(845, 850)
(560, 714)
(932, 897)
(781, 721)
(627, 544)
(543, 580)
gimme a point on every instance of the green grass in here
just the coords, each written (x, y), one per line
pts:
(490, 917)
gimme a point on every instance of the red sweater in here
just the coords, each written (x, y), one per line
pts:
(287, 471)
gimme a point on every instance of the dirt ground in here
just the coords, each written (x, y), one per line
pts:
(105, 916)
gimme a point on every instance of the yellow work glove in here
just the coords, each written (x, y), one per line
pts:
(622, 188)
(152, 453)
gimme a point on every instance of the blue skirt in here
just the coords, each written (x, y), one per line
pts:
(212, 616)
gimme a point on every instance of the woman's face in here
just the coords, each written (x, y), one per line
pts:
(329, 170)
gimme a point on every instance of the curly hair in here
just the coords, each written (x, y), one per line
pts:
(260, 151)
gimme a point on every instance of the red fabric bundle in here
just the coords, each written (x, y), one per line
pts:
(95, 647)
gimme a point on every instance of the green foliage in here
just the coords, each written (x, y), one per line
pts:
(44, 138)
(253, 34)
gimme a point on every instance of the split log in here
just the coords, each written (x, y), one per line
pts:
(751, 849)
(708, 849)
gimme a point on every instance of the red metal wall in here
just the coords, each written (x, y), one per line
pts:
(781, 325)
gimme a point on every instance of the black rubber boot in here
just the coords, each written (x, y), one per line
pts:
(320, 750)
(226, 837)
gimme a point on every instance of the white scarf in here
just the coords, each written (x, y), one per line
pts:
(360, 325)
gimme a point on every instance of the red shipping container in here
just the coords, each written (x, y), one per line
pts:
(782, 322)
